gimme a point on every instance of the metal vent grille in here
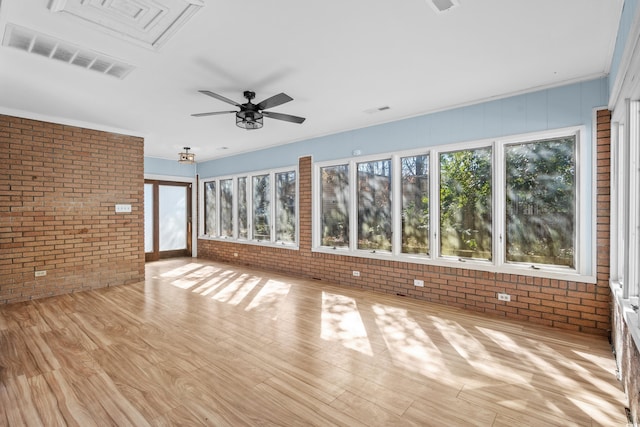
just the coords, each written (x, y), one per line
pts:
(50, 47)
(442, 5)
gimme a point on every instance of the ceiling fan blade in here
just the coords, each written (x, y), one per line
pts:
(212, 114)
(219, 97)
(285, 117)
(274, 101)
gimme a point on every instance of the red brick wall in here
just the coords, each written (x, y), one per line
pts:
(564, 304)
(58, 189)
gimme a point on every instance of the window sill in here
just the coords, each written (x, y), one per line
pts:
(630, 316)
(281, 245)
(465, 263)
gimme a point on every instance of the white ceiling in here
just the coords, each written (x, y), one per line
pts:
(336, 58)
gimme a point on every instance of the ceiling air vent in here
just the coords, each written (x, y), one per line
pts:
(50, 47)
(442, 5)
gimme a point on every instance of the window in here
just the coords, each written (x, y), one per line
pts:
(243, 224)
(540, 202)
(374, 205)
(625, 141)
(242, 208)
(452, 206)
(415, 204)
(286, 207)
(465, 203)
(226, 208)
(210, 208)
(335, 205)
(261, 208)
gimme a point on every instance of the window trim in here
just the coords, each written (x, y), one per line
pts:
(249, 193)
(585, 172)
(625, 213)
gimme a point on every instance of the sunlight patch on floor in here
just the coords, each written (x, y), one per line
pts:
(214, 283)
(341, 322)
(237, 290)
(196, 276)
(596, 412)
(184, 283)
(474, 353)
(547, 369)
(270, 297)
(181, 271)
(408, 344)
(524, 356)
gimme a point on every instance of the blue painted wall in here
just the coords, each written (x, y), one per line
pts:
(565, 106)
(626, 21)
(570, 105)
(155, 166)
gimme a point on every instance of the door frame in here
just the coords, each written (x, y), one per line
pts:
(192, 241)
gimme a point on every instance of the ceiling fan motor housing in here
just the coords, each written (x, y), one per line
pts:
(249, 119)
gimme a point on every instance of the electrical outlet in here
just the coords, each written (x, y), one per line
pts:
(418, 282)
(41, 273)
(504, 297)
(356, 273)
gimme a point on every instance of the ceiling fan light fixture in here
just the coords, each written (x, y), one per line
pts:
(249, 120)
(186, 157)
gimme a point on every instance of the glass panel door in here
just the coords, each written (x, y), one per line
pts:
(173, 217)
(148, 217)
(167, 219)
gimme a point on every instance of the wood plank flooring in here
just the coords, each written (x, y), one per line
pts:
(201, 343)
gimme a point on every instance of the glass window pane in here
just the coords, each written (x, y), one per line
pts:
(465, 203)
(226, 208)
(210, 208)
(540, 202)
(374, 205)
(415, 204)
(286, 206)
(148, 217)
(261, 208)
(243, 225)
(335, 205)
(173, 217)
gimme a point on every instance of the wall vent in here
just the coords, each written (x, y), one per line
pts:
(50, 47)
(377, 109)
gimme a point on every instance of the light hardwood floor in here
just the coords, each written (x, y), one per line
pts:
(201, 343)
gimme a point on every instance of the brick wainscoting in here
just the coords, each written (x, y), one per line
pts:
(58, 189)
(564, 304)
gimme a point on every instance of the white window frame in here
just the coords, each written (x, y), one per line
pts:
(585, 170)
(435, 198)
(272, 208)
(581, 227)
(354, 197)
(625, 214)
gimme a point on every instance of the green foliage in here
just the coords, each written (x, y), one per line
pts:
(335, 205)
(261, 208)
(415, 204)
(286, 207)
(210, 208)
(465, 203)
(540, 202)
(374, 205)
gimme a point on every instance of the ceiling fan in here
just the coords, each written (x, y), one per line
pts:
(250, 115)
